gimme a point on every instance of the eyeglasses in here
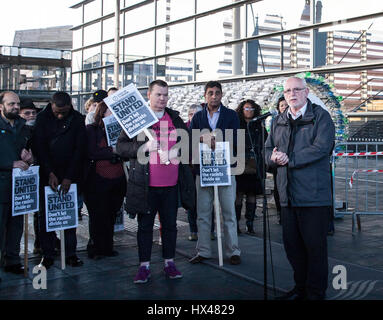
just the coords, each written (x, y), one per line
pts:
(248, 109)
(295, 90)
(29, 113)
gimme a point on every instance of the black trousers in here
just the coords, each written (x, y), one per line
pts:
(305, 242)
(163, 200)
(36, 229)
(103, 203)
(11, 231)
(276, 194)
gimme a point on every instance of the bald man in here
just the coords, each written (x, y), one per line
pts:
(299, 146)
(14, 137)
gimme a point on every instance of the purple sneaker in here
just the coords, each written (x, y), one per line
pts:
(142, 275)
(172, 272)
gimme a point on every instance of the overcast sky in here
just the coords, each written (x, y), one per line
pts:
(31, 14)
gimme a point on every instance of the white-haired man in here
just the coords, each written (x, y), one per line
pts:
(299, 146)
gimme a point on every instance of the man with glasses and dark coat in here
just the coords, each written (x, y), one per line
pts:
(28, 111)
(299, 146)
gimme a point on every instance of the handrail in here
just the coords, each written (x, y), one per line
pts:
(360, 87)
(354, 44)
(62, 52)
(366, 100)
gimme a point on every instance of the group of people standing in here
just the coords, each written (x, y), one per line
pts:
(158, 181)
(57, 140)
(54, 140)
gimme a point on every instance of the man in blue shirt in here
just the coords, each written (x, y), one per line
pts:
(214, 116)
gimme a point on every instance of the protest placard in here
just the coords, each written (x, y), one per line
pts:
(61, 210)
(215, 165)
(131, 110)
(112, 129)
(215, 171)
(25, 190)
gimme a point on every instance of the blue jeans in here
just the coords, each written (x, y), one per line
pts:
(163, 200)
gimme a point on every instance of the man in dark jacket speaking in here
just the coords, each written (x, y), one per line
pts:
(59, 145)
(299, 146)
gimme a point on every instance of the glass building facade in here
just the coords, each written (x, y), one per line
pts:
(34, 72)
(188, 42)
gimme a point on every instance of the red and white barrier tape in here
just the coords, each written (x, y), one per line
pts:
(355, 154)
(363, 170)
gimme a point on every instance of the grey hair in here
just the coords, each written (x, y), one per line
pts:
(302, 79)
(196, 107)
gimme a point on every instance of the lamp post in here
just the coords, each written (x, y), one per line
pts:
(117, 44)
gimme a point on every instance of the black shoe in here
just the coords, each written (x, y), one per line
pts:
(46, 262)
(95, 256)
(114, 253)
(294, 294)
(73, 261)
(193, 236)
(250, 232)
(249, 228)
(315, 296)
(15, 268)
(235, 259)
(197, 259)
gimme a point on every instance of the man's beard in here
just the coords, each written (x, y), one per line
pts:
(11, 115)
(31, 123)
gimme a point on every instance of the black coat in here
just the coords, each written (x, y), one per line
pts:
(306, 180)
(138, 182)
(60, 146)
(256, 137)
(251, 179)
(12, 142)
